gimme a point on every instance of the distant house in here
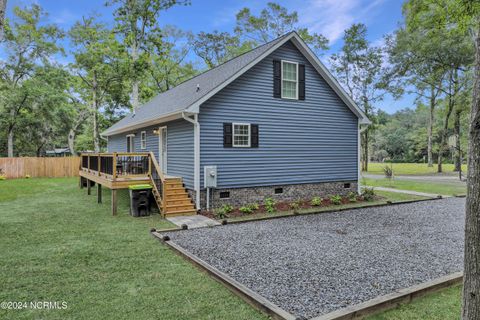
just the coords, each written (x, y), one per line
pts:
(272, 122)
(58, 152)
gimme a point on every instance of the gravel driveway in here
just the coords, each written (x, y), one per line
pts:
(311, 265)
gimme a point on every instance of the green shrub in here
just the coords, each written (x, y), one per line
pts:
(337, 199)
(27, 176)
(368, 194)
(253, 206)
(388, 171)
(316, 201)
(3, 177)
(246, 209)
(269, 205)
(352, 197)
(295, 205)
(224, 211)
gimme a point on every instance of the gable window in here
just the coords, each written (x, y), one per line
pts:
(241, 135)
(143, 140)
(289, 80)
(130, 146)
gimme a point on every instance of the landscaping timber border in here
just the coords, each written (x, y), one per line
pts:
(392, 300)
(251, 297)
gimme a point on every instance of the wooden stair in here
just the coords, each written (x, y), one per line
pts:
(170, 194)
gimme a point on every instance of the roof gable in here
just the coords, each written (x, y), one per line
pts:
(189, 95)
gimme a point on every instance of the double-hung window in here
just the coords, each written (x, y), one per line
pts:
(289, 80)
(143, 140)
(241, 135)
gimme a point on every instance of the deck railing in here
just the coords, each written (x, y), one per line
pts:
(126, 165)
(117, 164)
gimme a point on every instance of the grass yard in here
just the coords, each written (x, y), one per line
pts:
(428, 187)
(411, 168)
(58, 244)
(442, 305)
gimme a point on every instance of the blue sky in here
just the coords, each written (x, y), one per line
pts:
(328, 17)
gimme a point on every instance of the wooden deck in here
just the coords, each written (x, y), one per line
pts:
(121, 170)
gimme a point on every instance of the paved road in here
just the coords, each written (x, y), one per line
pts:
(311, 265)
(449, 179)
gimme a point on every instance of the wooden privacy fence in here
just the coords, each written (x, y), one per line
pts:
(40, 167)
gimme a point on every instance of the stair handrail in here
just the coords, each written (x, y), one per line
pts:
(155, 167)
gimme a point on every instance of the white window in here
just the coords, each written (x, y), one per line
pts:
(241, 135)
(289, 80)
(143, 140)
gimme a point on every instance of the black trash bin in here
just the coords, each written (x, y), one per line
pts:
(140, 200)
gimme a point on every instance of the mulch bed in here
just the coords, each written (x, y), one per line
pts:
(282, 206)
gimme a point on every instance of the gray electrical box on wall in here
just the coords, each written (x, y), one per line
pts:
(210, 176)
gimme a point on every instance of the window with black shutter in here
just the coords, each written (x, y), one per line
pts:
(240, 135)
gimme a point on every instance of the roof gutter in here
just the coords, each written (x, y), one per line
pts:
(196, 154)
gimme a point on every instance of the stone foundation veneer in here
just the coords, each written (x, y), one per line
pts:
(243, 196)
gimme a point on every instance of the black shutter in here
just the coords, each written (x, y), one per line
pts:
(254, 135)
(277, 78)
(301, 82)
(227, 135)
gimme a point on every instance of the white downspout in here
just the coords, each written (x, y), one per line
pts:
(359, 148)
(196, 156)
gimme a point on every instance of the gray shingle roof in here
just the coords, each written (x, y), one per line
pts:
(185, 94)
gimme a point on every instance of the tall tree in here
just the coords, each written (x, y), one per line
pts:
(100, 64)
(28, 45)
(169, 65)
(137, 21)
(443, 47)
(272, 22)
(3, 8)
(358, 66)
(216, 47)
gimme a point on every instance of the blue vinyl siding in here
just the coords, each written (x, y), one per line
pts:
(179, 147)
(308, 141)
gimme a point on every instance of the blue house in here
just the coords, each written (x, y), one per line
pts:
(272, 122)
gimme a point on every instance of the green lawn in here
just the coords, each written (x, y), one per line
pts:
(428, 187)
(58, 244)
(411, 168)
(442, 305)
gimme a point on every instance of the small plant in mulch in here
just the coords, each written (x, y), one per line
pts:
(336, 199)
(352, 197)
(368, 194)
(316, 201)
(269, 204)
(254, 206)
(224, 211)
(246, 210)
(295, 205)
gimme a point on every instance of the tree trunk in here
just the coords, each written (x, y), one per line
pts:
(471, 278)
(451, 104)
(3, 7)
(135, 102)
(73, 130)
(456, 132)
(71, 141)
(10, 142)
(365, 151)
(430, 127)
(96, 137)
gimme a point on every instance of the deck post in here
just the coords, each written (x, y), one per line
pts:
(80, 183)
(114, 202)
(89, 186)
(99, 193)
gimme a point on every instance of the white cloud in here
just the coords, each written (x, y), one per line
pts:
(332, 17)
(64, 16)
